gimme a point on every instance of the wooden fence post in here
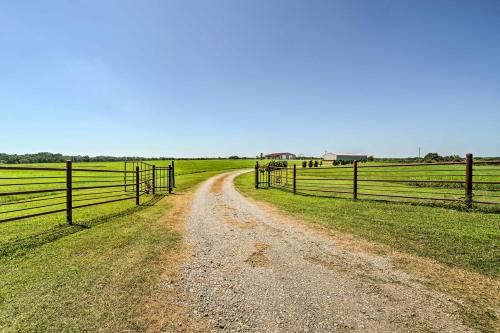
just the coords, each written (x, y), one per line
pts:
(294, 178)
(137, 185)
(170, 179)
(154, 179)
(355, 181)
(69, 192)
(257, 175)
(468, 181)
(173, 173)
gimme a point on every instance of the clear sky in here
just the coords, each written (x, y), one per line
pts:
(216, 78)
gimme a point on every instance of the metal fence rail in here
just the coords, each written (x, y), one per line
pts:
(27, 192)
(468, 183)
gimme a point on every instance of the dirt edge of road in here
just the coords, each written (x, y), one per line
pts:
(164, 310)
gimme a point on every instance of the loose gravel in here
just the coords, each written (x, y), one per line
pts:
(253, 271)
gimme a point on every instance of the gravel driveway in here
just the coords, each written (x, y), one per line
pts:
(254, 271)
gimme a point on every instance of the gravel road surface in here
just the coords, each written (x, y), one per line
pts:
(256, 271)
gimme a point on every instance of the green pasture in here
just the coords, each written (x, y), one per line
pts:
(97, 274)
(191, 171)
(388, 183)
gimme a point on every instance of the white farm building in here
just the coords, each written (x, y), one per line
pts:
(344, 157)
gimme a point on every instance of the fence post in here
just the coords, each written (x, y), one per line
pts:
(173, 173)
(468, 181)
(69, 192)
(137, 185)
(257, 174)
(294, 178)
(170, 179)
(125, 174)
(286, 174)
(153, 178)
(268, 176)
(355, 181)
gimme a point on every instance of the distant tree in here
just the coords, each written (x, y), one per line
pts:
(304, 164)
(432, 157)
(261, 156)
(310, 163)
(321, 163)
(234, 157)
(316, 163)
(371, 158)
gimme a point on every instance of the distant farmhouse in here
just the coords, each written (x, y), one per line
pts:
(344, 157)
(281, 156)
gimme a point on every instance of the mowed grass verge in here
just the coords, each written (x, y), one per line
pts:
(469, 240)
(100, 274)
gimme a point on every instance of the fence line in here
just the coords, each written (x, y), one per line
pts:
(458, 182)
(142, 179)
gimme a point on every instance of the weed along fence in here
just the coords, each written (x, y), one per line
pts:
(470, 183)
(27, 192)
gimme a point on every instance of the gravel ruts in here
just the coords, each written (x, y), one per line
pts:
(254, 271)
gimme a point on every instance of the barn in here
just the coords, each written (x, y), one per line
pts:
(344, 157)
(281, 156)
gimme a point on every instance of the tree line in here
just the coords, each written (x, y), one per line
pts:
(430, 158)
(45, 157)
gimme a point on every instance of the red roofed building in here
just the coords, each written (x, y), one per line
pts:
(281, 156)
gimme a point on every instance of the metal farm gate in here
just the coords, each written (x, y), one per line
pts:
(151, 179)
(273, 176)
(163, 178)
(33, 191)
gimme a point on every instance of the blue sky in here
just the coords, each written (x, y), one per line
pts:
(216, 78)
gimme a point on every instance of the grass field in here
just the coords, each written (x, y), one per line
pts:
(100, 273)
(420, 183)
(97, 274)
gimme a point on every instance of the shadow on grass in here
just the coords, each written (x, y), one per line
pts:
(21, 246)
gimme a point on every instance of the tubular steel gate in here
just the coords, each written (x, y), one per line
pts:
(467, 183)
(152, 178)
(27, 192)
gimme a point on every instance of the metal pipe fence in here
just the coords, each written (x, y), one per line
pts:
(23, 195)
(467, 183)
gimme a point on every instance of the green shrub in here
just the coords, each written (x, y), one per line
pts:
(277, 164)
(316, 163)
(304, 164)
(311, 163)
